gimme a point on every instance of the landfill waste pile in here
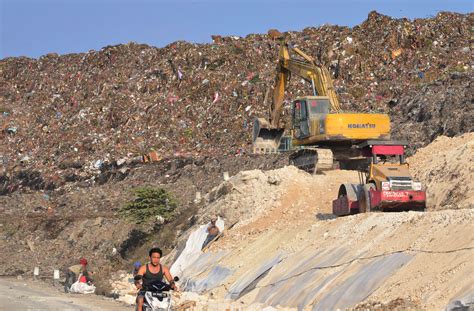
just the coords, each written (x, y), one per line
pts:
(82, 132)
(67, 118)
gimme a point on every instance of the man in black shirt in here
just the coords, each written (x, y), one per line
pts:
(151, 273)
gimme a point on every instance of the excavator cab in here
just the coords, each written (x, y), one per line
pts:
(309, 112)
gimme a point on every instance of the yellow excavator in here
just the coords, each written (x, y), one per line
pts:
(321, 133)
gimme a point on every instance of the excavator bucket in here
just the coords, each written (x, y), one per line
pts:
(266, 139)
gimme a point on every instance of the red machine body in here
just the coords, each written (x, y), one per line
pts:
(387, 187)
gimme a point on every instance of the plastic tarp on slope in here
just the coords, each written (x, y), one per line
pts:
(192, 250)
(192, 263)
(198, 278)
(248, 281)
(363, 283)
(213, 279)
(324, 280)
(298, 285)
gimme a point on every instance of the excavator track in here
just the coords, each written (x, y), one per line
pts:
(312, 160)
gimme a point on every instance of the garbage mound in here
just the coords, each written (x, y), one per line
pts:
(70, 118)
(446, 168)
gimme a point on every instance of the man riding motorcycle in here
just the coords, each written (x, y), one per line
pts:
(151, 274)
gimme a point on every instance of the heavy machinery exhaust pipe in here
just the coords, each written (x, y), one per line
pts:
(266, 139)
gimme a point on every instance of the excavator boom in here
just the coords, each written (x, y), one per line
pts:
(318, 76)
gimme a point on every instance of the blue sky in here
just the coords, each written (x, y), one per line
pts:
(36, 27)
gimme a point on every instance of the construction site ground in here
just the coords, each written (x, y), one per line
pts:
(287, 212)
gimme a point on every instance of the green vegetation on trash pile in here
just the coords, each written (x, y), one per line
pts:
(150, 204)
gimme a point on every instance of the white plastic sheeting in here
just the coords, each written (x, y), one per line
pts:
(199, 271)
(82, 288)
(326, 280)
(295, 281)
(249, 279)
(363, 283)
(215, 278)
(192, 250)
(197, 277)
(203, 263)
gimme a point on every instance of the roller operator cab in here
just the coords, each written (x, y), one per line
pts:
(386, 186)
(313, 123)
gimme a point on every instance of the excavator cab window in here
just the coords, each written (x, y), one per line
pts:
(318, 106)
(300, 118)
(296, 114)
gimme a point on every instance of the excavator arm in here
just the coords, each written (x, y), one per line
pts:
(318, 76)
(267, 134)
(278, 96)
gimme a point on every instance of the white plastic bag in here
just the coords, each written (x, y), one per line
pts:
(82, 288)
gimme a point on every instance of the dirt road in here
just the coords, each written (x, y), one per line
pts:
(36, 295)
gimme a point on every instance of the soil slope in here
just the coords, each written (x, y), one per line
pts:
(284, 215)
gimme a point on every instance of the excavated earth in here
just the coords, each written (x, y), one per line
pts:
(73, 125)
(280, 221)
(380, 261)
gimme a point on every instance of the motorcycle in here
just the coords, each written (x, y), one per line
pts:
(157, 296)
